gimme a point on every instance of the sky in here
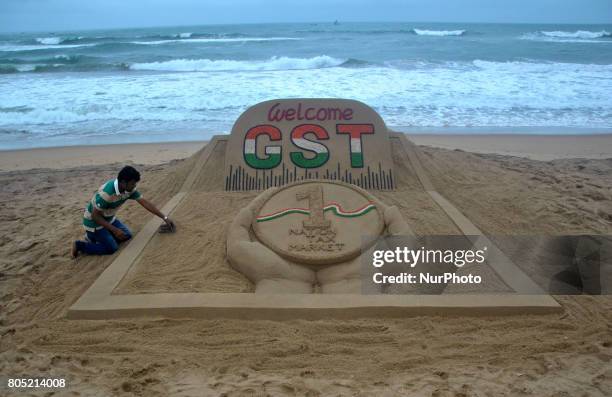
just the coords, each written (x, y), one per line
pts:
(45, 15)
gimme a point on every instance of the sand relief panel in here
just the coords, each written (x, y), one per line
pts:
(283, 141)
(317, 223)
(308, 236)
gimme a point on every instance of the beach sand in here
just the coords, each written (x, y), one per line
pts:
(536, 147)
(565, 354)
(74, 156)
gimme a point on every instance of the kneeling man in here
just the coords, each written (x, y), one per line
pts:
(104, 230)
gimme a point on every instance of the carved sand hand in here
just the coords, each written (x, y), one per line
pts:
(272, 273)
(266, 269)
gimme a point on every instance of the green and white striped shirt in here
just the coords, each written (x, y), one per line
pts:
(107, 199)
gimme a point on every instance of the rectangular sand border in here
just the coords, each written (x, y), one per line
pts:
(299, 306)
(98, 302)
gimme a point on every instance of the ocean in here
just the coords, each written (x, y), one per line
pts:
(189, 83)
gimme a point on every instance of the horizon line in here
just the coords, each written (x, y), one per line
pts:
(301, 23)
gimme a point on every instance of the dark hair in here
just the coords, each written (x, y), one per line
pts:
(128, 173)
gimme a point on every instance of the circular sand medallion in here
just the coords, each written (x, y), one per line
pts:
(318, 222)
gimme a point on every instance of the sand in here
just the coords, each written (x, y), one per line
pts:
(74, 156)
(553, 355)
(536, 147)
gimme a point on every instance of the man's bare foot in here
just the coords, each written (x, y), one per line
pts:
(74, 252)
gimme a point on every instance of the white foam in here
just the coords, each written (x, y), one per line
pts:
(26, 68)
(579, 34)
(461, 94)
(185, 35)
(543, 67)
(208, 65)
(216, 40)
(16, 48)
(424, 32)
(49, 40)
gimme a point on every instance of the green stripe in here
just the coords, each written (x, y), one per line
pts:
(270, 162)
(89, 223)
(300, 160)
(100, 202)
(357, 160)
(109, 187)
(105, 206)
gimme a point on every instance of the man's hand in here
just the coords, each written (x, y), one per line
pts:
(97, 216)
(170, 223)
(168, 227)
(119, 234)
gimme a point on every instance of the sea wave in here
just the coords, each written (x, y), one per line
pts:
(15, 109)
(579, 34)
(559, 36)
(59, 58)
(358, 31)
(67, 65)
(49, 40)
(83, 63)
(186, 35)
(542, 68)
(8, 69)
(56, 40)
(461, 93)
(209, 65)
(27, 47)
(215, 40)
(356, 63)
(425, 32)
(63, 41)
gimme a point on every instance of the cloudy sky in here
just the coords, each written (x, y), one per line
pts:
(42, 15)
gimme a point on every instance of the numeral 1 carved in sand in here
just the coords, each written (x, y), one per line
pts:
(316, 220)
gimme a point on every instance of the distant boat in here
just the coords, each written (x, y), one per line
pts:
(336, 22)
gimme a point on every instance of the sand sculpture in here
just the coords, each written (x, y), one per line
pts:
(282, 141)
(308, 236)
(302, 236)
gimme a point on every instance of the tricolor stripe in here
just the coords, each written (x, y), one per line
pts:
(356, 153)
(355, 132)
(273, 152)
(333, 207)
(320, 151)
(321, 154)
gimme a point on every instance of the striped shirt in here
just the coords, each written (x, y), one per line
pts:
(107, 199)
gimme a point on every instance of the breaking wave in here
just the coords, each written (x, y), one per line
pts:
(579, 34)
(424, 32)
(209, 65)
(49, 40)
